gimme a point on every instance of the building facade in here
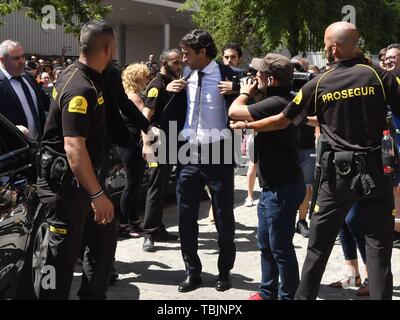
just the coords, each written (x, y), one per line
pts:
(143, 27)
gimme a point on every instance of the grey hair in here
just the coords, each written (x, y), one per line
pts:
(164, 57)
(6, 45)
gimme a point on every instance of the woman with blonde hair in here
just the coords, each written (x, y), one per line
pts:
(134, 79)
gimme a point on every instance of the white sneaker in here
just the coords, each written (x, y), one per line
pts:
(248, 202)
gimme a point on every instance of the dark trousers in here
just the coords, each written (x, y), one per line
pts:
(333, 203)
(190, 185)
(351, 235)
(277, 210)
(71, 223)
(158, 182)
(134, 165)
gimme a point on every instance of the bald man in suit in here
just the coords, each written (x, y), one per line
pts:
(22, 99)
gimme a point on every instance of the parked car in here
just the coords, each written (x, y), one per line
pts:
(23, 228)
(21, 225)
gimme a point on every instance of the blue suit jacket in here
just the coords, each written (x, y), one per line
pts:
(11, 107)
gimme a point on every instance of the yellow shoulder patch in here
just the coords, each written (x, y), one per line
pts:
(298, 98)
(100, 100)
(58, 230)
(153, 93)
(398, 80)
(78, 104)
(54, 93)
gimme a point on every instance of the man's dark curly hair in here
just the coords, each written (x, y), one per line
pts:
(198, 39)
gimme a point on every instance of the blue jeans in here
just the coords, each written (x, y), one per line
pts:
(277, 210)
(307, 163)
(351, 235)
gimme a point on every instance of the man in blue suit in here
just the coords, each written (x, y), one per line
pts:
(22, 100)
(206, 133)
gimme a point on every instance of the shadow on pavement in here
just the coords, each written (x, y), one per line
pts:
(153, 272)
(329, 293)
(241, 195)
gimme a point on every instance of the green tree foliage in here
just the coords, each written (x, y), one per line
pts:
(70, 13)
(265, 25)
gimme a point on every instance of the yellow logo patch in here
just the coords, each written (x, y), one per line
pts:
(153, 93)
(54, 94)
(78, 105)
(100, 100)
(398, 80)
(394, 212)
(316, 208)
(153, 164)
(58, 230)
(298, 98)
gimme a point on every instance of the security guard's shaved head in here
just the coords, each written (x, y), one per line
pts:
(341, 40)
(343, 32)
(95, 34)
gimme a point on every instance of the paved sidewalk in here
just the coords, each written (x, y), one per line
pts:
(155, 276)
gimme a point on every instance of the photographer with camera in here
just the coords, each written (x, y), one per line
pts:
(280, 176)
(350, 102)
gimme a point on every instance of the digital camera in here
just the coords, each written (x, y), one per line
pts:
(300, 79)
(237, 80)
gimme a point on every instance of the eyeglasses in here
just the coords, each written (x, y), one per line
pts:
(391, 58)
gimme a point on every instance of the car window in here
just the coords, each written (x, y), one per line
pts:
(9, 140)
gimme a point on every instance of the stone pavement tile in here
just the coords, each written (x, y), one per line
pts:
(155, 276)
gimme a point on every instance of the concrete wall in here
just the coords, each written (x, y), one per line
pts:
(36, 40)
(143, 41)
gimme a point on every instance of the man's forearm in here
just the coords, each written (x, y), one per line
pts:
(147, 113)
(81, 165)
(239, 110)
(272, 123)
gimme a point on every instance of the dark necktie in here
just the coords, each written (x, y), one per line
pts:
(197, 103)
(32, 107)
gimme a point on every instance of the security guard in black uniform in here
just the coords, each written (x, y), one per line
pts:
(350, 101)
(161, 102)
(71, 159)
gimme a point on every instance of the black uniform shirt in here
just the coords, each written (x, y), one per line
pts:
(156, 99)
(278, 161)
(78, 110)
(350, 101)
(124, 120)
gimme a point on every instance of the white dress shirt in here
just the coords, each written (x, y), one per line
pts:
(16, 85)
(213, 114)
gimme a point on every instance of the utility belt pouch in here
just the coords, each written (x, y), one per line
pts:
(53, 166)
(327, 166)
(343, 168)
(46, 160)
(362, 182)
(58, 169)
(343, 162)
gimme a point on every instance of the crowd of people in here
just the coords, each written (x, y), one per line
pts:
(353, 197)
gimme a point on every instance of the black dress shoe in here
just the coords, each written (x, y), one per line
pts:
(190, 283)
(164, 236)
(113, 278)
(302, 228)
(224, 282)
(148, 244)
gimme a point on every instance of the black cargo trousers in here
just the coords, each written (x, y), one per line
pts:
(71, 222)
(335, 198)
